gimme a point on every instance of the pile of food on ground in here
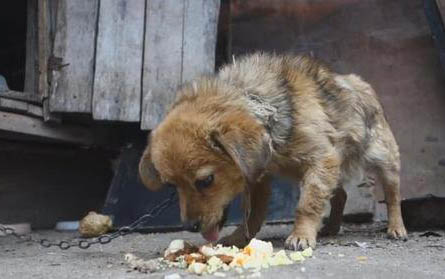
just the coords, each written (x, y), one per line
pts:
(210, 259)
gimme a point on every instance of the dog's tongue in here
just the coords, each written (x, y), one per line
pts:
(212, 234)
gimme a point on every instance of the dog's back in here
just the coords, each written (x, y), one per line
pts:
(291, 94)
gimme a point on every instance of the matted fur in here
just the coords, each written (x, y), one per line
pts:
(268, 114)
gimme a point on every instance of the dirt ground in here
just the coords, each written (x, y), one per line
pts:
(335, 257)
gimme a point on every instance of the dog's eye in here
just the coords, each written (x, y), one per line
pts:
(204, 183)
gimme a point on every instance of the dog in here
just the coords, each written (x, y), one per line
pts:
(265, 114)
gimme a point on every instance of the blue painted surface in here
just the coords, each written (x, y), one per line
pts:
(3, 84)
(128, 199)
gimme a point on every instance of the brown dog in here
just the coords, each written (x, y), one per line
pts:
(267, 114)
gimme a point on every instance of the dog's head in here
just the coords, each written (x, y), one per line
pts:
(209, 158)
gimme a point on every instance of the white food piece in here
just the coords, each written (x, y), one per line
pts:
(198, 268)
(213, 264)
(280, 258)
(239, 260)
(175, 245)
(259, 247)
(219, 274)
(307, 253)
(255, 255)
(250, 262)
(296, 256)
(209, 251)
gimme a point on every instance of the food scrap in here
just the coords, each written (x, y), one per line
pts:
(94, 224)
(209, 259)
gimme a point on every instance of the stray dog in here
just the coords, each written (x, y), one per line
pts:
(269, 114)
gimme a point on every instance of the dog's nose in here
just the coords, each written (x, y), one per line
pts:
(192, 226)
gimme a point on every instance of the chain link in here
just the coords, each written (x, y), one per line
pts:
(103, 239)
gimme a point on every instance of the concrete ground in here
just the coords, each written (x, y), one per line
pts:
(335, 257)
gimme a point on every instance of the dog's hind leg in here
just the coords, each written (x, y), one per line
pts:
(390, 179)
(338, 202)
(383, 156)
(259, 198)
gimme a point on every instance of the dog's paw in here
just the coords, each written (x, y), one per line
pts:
(235, 239)
(397, 232)
(298, 241)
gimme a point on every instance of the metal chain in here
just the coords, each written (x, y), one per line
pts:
(103, 239)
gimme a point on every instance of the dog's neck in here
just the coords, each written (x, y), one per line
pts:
(267, 96)
(262, 109)
(275, 112)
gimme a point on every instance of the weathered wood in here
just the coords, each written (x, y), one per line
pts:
(74, 43)
(200, 32)
(31, 81)
(34, 110)
(22, 96)
(13, 105)
(162, 58)
(117, 80)
(22, 107)
(39, 41)
(21, 124)
(43, 47)
(45, 10)
(178, 47)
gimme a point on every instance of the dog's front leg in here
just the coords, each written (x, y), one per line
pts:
(318, 184)
(259, 197)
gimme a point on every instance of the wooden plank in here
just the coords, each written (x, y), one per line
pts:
(40, 16)
(117, 81)
(162, 58)
(43, 47)
(31, 81)
(34, 110)
(200, 32)
(74, 43)
(13, 105)
(21, 96)
(20, 107)
(21, 124)
(44, 52)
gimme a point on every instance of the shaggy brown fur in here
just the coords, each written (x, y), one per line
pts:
(268, 114)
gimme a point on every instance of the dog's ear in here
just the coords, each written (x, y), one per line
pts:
(251, 151)
(147, 171)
